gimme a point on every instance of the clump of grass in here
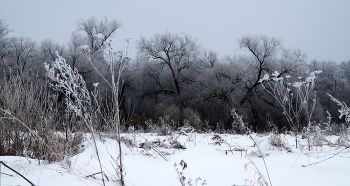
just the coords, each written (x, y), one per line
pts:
(343, 141)
(319, 140)
(275, 140)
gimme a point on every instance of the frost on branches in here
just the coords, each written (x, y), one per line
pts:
(344, 109)
(297, 99)
(293, 97)
(68, 81)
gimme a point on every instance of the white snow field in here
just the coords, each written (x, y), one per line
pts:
(220, 161)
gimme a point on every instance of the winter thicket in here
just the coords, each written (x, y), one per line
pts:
(172, 77)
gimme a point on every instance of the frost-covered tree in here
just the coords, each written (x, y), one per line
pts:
(92, 32)
(47, 50)
(4, 31)
(75, 57)
(93, 28)
(22, 53)
(263, 55)
(217, 91)
(173, 54)
(4, 46)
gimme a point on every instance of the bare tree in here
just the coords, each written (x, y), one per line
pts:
(171, 52)
(74, 52)
(22, 53)
(263, 51)
(93, 28)
(92, 32)
(4, 45)
(4, 30)
(264, 55)
(219, 87)
(47, 50)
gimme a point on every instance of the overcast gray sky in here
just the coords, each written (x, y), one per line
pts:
(321, 28)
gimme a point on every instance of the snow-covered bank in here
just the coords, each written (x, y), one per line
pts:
(220, 160)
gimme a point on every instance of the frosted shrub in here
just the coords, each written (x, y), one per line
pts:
(173, 113)
(162, 127)
(328, 129)
(297, 99)
(344, 109)
(186, 129)
(68, 81)
(238, 125)
(193, 118)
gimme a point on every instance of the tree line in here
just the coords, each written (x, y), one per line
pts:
(172, 77)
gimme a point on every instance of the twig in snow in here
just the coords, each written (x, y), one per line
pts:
(326, 158)
(1, 162)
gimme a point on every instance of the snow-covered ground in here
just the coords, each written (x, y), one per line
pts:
(222, 160)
